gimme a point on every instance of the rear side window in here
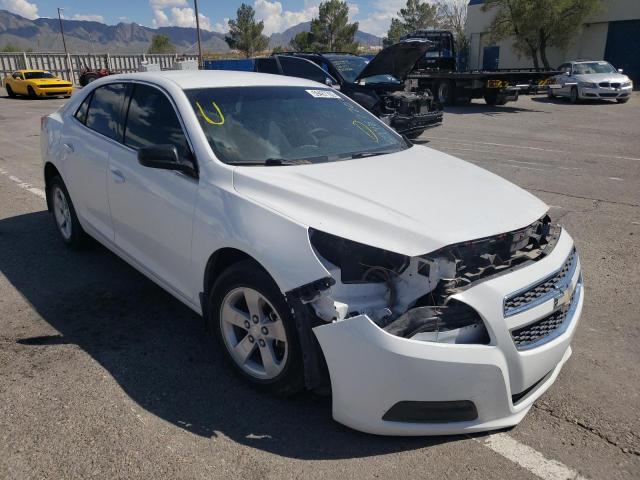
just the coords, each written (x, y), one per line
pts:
(152, 120)
(104, 113)
(267, 65)
(302, 68)
(81, 113)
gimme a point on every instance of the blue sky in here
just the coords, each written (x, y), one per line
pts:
(374, 15)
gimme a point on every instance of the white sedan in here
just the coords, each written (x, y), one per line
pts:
(591, 80)
(323, 249)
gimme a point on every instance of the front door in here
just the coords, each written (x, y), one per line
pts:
(152, 209)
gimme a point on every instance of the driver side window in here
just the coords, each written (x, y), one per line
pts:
(17, 76)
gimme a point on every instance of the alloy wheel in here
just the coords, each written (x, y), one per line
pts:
(253, 333)
(62, 212)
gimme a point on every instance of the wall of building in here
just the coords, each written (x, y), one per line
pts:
(589, 43)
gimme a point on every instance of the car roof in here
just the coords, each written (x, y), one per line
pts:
(189, 79)
(30, 70)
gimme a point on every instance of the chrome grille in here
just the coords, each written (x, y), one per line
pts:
(542, 291)
(547, 328)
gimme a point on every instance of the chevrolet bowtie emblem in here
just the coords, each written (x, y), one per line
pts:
(562, 297)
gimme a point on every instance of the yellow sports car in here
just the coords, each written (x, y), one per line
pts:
(36, 83)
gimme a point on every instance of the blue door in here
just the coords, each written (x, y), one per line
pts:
(490, 58)
(623, 45)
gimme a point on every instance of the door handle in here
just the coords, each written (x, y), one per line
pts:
(69, 146)
(118, 177)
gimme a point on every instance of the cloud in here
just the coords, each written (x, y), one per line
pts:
(378, 21)
(179, 17)
(276, 19)
(155, 4)
(222, 27)
(21, 7)
(88, 18)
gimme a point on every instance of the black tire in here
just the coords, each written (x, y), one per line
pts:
(493, 98)
(622, 100)
(77, 239)
(249, 274)
(573, 95)
(10, 92)
(87, 78)
(414, 135)
(445, 93)
(550, 93)
(31, 92)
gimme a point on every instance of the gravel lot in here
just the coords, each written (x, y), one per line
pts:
(103, 374)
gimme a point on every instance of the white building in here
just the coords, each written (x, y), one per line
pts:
(612, 34)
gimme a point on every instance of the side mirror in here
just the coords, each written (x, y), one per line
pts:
(620, 70)
(164, 157)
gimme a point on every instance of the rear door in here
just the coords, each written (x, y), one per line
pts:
(152, 209)
(88, 137)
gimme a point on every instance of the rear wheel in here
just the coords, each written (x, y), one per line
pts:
(10, 91)
(31, 92)
(446, 93)
(492, 97)
(87, 78)
(253, 324)
(573, 95)
(64, 214)
(622, 100)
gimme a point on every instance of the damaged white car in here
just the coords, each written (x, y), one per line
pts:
(323, 249)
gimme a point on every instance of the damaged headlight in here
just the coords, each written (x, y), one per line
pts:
(358, 263)
(455, 322)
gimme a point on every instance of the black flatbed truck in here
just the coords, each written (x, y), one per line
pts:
(438, 72)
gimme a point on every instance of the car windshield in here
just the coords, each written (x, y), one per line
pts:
(36, 75)
(288, 125)
(348, 66)
(593, 67)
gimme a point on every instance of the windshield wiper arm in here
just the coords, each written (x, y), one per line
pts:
(370, 154)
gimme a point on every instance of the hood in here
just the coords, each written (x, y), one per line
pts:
(49, 81)
(602, 77)
(397, 60)
(411, 202)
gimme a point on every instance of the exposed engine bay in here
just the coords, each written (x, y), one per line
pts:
(412, 297)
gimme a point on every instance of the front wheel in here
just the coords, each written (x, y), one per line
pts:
(64, 214)
(10, 92)
(573, 96)
(253, 324)
(31, 92)
(550, 93)
(446, 93)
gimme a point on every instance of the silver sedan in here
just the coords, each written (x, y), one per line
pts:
(583, 80)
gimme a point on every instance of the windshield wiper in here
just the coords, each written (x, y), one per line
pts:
(276, 162)
(371, 154)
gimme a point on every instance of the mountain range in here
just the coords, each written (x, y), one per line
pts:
(43, 35)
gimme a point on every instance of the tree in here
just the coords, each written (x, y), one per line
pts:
(453, 17)
(161, 44)
(245, 34)
(416, 15)
(302, 42)
(10, 48)
(537, 24)
(278, 49)
(331, 30)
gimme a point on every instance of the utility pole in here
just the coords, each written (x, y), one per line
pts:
(64, 44)
(199, 40)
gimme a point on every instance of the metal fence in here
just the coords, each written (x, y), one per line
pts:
(69, 66)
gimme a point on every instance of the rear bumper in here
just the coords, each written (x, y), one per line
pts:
(372, 370)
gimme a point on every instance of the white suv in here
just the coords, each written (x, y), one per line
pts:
(322, 248)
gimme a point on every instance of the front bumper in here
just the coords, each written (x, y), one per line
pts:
(53, 92)
(405, 124)
(371, 370)
(605, 92)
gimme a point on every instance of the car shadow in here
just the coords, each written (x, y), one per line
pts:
(481, 108)
(565, 101)
(157, 351)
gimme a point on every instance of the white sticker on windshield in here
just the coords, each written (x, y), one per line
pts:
(323, 94)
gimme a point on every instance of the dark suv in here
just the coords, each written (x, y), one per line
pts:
(378, 85)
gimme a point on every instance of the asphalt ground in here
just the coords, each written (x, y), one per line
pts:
(104, 375)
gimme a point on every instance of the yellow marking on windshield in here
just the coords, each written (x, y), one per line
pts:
(208, 120)
(367, 130)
